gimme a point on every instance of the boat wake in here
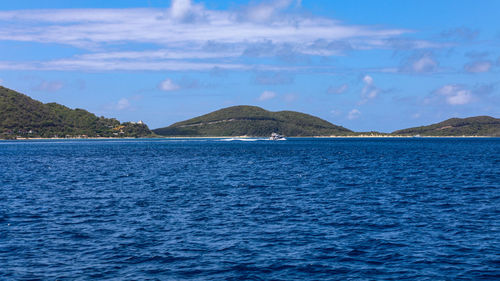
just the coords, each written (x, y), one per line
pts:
(242, 139)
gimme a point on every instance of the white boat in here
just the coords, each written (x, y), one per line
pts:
(277, 137)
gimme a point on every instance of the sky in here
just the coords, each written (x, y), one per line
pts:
(365, 65)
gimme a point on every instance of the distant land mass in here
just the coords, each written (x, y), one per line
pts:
(24, 117)
(472, 126)
(253, 121)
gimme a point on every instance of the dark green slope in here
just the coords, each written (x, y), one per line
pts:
(23, 116)
(252, 121)
(472, 126)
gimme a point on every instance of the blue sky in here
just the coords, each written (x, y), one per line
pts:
(365, 65)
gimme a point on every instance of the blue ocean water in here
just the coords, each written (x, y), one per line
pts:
(302, 209)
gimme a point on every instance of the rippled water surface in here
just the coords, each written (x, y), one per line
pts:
(302, 209)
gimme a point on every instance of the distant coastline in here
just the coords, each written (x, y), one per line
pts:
(248, 137)
(256, 121)
(24, 118)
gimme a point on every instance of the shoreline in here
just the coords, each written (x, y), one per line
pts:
(249, 137)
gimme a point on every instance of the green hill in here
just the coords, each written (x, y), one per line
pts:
(472, 126)
(22, 116)
(253, 121)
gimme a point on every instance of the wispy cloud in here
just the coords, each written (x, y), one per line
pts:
(478, 66)
(420, 63)
(322, 47)
(353, 114)
(184, 11)
(455, 94)
(168, 85)
(477, 54)
(49, 86)
(336, 112)
(482, 90)
(461, 94)
(111, 65)
(369, 91)
(276, 78)
(162, 54)
(266, 95)
(289, 98)
(80, 26)
(264, 11)
(460, 33)
(404, 44)
(187, 36)
(123, 104)
(337, 90)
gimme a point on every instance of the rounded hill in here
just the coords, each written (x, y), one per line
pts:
(472, 126)
(252, 121)
(22, 116)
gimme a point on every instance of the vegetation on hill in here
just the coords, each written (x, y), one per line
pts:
(22, 116)
(472, 126)
(253, 121)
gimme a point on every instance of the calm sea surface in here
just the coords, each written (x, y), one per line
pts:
(302, 209)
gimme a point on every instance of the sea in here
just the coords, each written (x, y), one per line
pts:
(226, 209)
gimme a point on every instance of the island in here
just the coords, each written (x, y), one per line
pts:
(472, 126)
(22, 117)
(253, 121)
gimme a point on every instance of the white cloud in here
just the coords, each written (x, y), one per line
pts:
(123, 104)
(49, 86)
(180, 8)
(455, 94)
(420, 63)
(369, 91)
(184, 11)
(478, 66)
(338, 90)
(290, 98)
(353, 114)
(461, 97)
(162, 54)
(265, 10)
(424, 64)
(322, 47)
(79, 26)
(168, 85)
(1, 81)
(336, 112)
(132, 65)
(186, 32)
(368, 79)
(266, 95)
